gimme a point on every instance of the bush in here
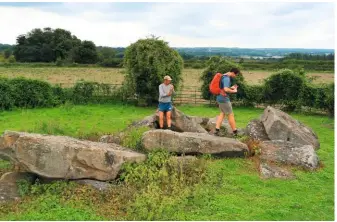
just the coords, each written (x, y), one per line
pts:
(147, 62)
(325, 98)
(253, 95)
(283, 88)
(30, 93)
(6, 95)
(112, 62)
(83, 92)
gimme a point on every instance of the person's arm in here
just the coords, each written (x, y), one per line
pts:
(172, 91)
(227, 89)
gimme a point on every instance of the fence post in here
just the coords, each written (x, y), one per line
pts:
(195, 96)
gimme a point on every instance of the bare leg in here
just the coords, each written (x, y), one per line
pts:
(168, 119)
(161, 119)
(219, 120)
(231, 121)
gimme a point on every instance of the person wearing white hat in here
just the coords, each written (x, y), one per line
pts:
(166, 90)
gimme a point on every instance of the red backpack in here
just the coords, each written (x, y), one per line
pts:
(214, 86)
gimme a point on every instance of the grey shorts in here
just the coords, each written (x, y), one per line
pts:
(226, 108)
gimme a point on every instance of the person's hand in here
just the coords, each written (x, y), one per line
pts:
(235, 90)
(235, 86)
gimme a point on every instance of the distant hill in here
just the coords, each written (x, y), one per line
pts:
(250, 52)
(222, 51)
(3, 47)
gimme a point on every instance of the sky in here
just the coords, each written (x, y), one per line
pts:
(224, 24)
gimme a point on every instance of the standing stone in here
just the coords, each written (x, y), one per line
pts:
(280, 126)
(255, 130)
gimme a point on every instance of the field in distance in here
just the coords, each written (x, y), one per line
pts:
(67, 76)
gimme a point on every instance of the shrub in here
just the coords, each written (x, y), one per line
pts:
(147, 62)
(325, 98)
(83, 92)
(30, 93)
(6, 95)
(283, 88)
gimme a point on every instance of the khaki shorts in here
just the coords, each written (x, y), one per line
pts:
(226, 108)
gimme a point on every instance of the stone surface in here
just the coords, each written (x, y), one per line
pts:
(65, 157)
(184, 123)
(272, 171)
(98, 185)
(255, 130)
(200, 120)
(280, 126)
(180, 122)
(117, 139)
(193, 143)
(148, 121)
(289, 153)
(9, 190)
(225, 127)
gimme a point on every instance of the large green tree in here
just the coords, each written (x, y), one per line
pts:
(147, 61)
(48, 45)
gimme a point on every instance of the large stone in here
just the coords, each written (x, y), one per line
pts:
(149, 121)
(9, 190)
(193, 143)
(272, 171)
(180, 122)
(200, 120)
(279, 151)
(65, 157)
(255, 130)
(98, 185)
(281, 126)
(225, 128)
(116, 138)
(184, 123)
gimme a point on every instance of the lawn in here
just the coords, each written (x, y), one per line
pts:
(231, 190)
(67, 76)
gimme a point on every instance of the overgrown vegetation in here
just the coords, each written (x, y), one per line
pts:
(147, 61)
(207, 189)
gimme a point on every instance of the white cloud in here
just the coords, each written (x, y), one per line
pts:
(254, 25)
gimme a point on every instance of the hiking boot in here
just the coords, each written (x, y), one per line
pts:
(215, 133)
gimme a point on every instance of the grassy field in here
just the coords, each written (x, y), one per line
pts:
(69, 76)
(231, 189)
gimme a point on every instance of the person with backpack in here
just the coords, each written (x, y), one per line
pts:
(220, 86)
(166, 90)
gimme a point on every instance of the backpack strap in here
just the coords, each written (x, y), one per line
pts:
(222, 91)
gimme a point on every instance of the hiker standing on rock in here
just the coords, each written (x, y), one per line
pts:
(166, 90)
(225, 105)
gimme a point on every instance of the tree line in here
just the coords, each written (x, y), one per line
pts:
(61, 47)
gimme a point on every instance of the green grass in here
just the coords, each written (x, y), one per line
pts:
(232, 189)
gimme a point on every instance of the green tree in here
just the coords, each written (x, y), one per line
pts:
(105, 53)
(46, 45)
(285, 87)
(86, 53)
(7, 53)
(147, 61)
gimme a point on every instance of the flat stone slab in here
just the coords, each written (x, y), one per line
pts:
(65, 157)
(193, 143)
